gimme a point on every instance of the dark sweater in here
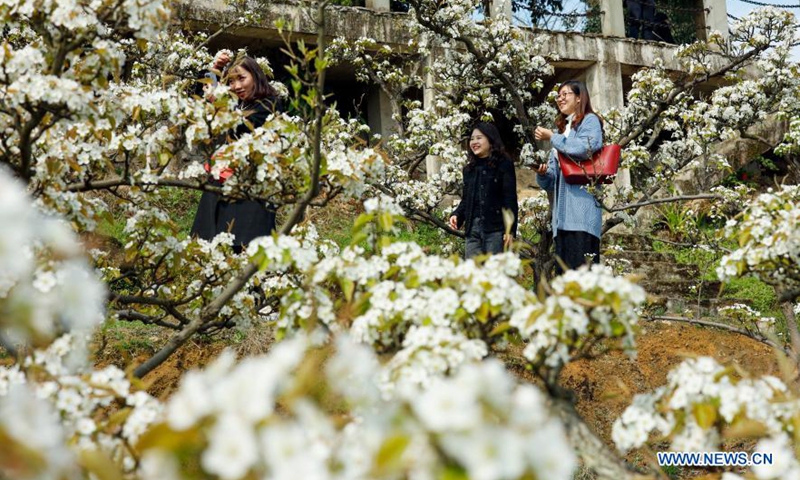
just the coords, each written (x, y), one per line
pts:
(498, 185)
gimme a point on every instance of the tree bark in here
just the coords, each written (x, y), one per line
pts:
(590, 449)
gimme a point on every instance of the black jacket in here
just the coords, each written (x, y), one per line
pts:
(500, 192)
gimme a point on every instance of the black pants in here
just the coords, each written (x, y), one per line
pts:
(573, 248)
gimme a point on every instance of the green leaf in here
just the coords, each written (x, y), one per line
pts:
(452, 472)
(385, 221)
(500, 329)
(358, 237)
(99, 464)
(162, 437)
(362, 220)
(391, 453)
(705, 414)
(118, 418)
(483, 313)
(348, 287)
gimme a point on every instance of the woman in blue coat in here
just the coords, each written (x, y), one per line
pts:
(577, 216)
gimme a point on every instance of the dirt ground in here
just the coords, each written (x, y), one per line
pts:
(605, 386)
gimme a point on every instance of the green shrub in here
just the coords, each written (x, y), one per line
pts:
(761, 296)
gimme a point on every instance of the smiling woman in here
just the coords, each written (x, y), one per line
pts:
(577, 217)
(490, 186)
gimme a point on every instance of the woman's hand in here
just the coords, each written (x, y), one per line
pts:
(542, 133)
(508, 239)
(541, 169)
(454, 222)
(221, 59)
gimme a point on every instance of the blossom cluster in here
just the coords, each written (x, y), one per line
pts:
(767, 237)
(48, 405)
(437, 313)
(703, 398)
(745, 315)
(46, 283)
(267, 416)
(534, 215)
(589, 302)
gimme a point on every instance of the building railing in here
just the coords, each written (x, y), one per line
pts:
(671, 21)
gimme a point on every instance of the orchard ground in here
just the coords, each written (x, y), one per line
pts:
(603, 386)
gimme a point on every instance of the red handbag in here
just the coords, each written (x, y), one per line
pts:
(601, 168)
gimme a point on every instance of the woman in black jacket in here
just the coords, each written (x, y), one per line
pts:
(245, 219)
(490, 186)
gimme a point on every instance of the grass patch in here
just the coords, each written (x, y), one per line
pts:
(179, 203)
(129, 338)
(761, 296)
(113, 226)
(432, 239)
(338, 227)
(706, 261)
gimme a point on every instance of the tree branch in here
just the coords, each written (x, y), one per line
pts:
(657, 201)
(730, 328)
(663, 105)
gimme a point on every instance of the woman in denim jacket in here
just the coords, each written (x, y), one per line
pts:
(577, 217)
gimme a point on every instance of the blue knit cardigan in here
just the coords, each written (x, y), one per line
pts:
(574, 209)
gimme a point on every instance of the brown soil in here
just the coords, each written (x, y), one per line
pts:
(604, 386)
(110, 245)
(165, 379)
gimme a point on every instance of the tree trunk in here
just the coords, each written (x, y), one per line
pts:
(590, 449)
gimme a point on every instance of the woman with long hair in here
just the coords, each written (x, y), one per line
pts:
(245, 219)
(490, 186)
(577, 217)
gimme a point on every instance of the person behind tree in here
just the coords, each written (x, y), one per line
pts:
(577, 217)
(245, 219)
(490, 186)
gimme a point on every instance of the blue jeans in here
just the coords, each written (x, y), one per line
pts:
(479, 242)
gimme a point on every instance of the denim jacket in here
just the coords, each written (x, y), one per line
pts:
(574, 209)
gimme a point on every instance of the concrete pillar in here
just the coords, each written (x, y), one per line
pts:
(716, 17)
(433, 164)
(604, 81)
(501, 9)
(613, 18)
(379, 5)
(379, 113)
